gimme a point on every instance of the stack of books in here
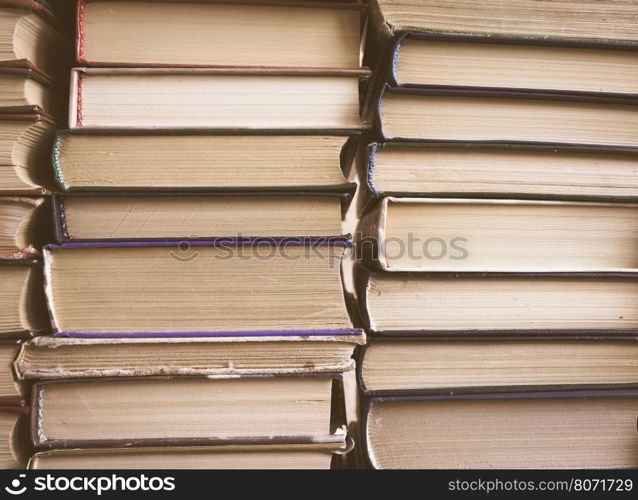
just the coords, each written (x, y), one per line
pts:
(35, 50)
(502, 299)
(195, 286)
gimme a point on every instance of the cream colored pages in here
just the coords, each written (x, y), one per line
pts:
(249, 101)
(506, 434)
(611, 19)
(201, 216)
(505, 170)
(143, 33)
(176, 459)
(183, 408)
(528, 120)
(432, 303)
(508, 235)
(121, 161)
(393, 365)
(517, 66)
(197, 289)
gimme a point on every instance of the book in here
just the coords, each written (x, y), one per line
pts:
(148, 216)
(24, 91)
(12, 406)
(502, 170)
(223, 98)
(25, 151)
(38, 40)
(501, 303)
(24, 226)
(209, 160)
(12, 438)
(535, 430)
(186, 411)
(609, 22)
(174, 33)
(202, 288)
(11, 391)
(475, 61)
(401, 365)
(47, 357)
(463, 234)
(506, 116)
(258, 456)
(23, 309)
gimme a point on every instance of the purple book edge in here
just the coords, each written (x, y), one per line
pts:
(213, 242)
(247, 333)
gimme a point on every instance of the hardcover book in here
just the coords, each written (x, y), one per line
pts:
(26, 141)
(535, 430)
(24, 226)
(504, 304)
(37, 41)
(164, 216)
(211, 160)
(46, 357)
(188, 411)
(444, 169)
(213, 33)
(609, 22)
(244, 98)
(199, 288)
(452, 114)
(445, 365)
(463, 234)
(25, 91)
(23, 308)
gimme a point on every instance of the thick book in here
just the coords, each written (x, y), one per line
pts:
(229, 98)
(26, 141)
(24, 310)
(210, 160)
(223, 287)
(25, 91)
(212, 33)
(14, 447)
(510, 116)
(475, 61)
(265, 455)
(47, 357)
(503, 304)
(464, 234)
(612, 22)
(444, 169)
(405, 365)
(11, 389)
(526, 430)
(26, 226)
(94, 413)
(164, 216)
(39, 40)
